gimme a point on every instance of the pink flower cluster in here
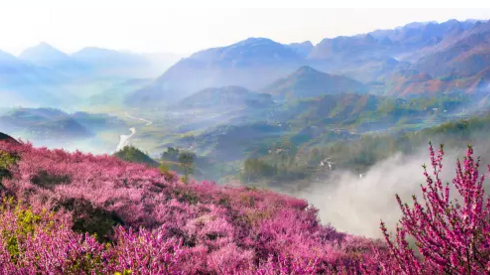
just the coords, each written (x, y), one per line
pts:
(161, 225)
(449, 235)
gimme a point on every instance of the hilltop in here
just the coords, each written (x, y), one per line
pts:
(6, 138)
(308, 82)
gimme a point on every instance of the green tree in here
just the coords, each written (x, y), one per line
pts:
(172, 154)
(186, 160)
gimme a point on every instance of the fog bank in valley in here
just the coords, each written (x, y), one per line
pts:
(356, 204)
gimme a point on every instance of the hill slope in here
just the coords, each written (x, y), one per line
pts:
(43, 123)
(307, 82)
(6, 138)
(225, 98)
(248, 229)
(45, 55)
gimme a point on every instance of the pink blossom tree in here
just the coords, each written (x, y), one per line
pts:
(452, 236)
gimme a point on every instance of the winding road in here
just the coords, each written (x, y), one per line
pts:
(124, 139)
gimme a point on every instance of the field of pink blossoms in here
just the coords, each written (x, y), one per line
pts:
(75, 213)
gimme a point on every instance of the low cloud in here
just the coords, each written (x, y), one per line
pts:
(355, 205)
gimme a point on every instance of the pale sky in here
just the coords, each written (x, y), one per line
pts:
(154, 26)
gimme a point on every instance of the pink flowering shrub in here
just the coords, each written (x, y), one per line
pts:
(43, 243)
(100, 215)
(451, 234)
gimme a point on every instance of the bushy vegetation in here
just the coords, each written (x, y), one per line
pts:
(188, 164)
(195, 228)
(133, 154)
(288, 162)
(160, 225)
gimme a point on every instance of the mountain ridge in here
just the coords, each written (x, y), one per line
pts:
(308, 82)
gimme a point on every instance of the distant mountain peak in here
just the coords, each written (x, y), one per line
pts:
(45, 45)
(303, 48)
(44, 55)
(42, 48)
(306, 43)
(94, 50)
(7, 57)
(306, 70)
(307, 82)
(252, 40)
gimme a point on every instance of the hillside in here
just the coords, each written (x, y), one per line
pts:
(463, 54)
(24, 83)
(228, 97)
(6, 138)
(45, 55)
(307, 82)
(358, 154)
(44, 123)
(408, 39)
(55, 128)
(105, 62)
(133, 154)
(14, 71)
(318, 121)
(246, 229)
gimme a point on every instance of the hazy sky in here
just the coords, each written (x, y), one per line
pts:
(151, 26)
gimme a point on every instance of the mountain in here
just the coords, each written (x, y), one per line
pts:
(24, 83)
(420, 35)
(359, 56)
(303, 48)
(308, 82)
(43, 76)
(464, 54)
(105, 62)
(160, 62)
(8, 60)
(99, 122)
(225, 98)
(251, 63)
(45, 55)
(346, 47)
(14, 71)
(395, 42)
(43, 123)
(92, 61)
(457, 63)
(418, 59)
